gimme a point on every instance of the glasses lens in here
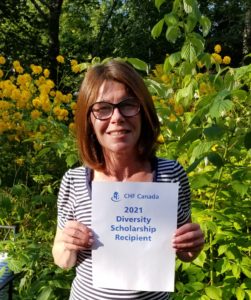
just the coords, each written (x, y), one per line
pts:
(102, 110)
(129, 107)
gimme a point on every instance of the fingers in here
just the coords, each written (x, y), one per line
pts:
(188, 238)
(77, 236)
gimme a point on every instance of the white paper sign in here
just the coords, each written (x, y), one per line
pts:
(134, 223)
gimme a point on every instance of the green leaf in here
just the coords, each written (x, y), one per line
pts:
(206, 60)
(194, 165)
(174, 58)
(45, 294)
(240, 293)
(138, 64)
(240, 187)
(215, 159)
(246, 266)
(158, 3)
(167, 67)
(201, 259)
(190, 136)
(199, 181)
(247, 140)
(188, 52)
(220, 107)
(171, 19)
(236, 269)
(157, 29)
(188, 6)
(214, 292)
(197, 43)
(205, 25)
(172, 33)
(200, 149)
(214, 132)
(157, 88)
(222, 249)
(43, 152)
(71, 160)
(190, 24)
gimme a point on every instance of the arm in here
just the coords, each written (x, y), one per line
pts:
(68, 241)
(188, 241)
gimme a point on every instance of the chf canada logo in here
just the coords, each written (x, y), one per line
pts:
(115, 197)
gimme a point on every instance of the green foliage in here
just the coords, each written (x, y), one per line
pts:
(204, 108)
(205, 114)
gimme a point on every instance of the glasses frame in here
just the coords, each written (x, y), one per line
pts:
(113, 106)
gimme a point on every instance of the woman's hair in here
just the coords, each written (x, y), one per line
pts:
(90, 150)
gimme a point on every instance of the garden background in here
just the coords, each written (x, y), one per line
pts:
(195, 59)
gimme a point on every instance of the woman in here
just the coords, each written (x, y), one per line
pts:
(117, 129)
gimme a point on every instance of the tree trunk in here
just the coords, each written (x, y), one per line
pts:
(53, 26)
(247, 32)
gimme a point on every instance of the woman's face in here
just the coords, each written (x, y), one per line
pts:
(117, 134)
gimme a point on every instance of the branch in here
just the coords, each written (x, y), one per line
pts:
(104, 26)
(38, 8)
(44, 3)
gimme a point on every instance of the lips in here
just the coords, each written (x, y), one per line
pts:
(118, 132)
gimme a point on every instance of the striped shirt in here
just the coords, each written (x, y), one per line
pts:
(74, 203)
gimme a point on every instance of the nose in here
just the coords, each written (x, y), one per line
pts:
(116, 115)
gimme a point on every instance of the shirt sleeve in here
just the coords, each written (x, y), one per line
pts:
(184, 198)
(66, 200)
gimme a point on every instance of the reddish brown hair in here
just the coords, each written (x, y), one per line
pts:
(90, 150)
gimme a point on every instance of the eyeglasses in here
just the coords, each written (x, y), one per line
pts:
(103, 110)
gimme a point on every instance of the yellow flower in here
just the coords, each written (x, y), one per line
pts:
(17, 116)
(155, 98)
(36, 69)
(35, 114)
(75, 69)
(165, 78)
(216, 58)
(172, 118)
(5, 105)
(46, 73)
(179, 110)
(161, 139)
(24, 79)
(42, 128)
(19, 161)
(200, 64)
(74, 62)
(46, 106)
(73, 105)
(1, 73)
(37, 146)
(2, 60)
(19, 69)
(36, 102)
(72, 127)
(171, 101)
(60, 59)
(16, 64)
(217, 48)
(226, 60)
(214, 147)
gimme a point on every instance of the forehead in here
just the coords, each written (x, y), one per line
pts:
(112, 90)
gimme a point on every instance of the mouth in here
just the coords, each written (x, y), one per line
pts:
(118, 132)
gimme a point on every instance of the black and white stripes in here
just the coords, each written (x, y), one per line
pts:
(74, 203)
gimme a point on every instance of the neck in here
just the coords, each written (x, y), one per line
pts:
(120, 168)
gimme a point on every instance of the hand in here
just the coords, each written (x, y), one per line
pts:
(76, 236)
(188, 241)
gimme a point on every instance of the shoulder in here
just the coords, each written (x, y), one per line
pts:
(170, 168)
(76, 172)
(74, 179)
